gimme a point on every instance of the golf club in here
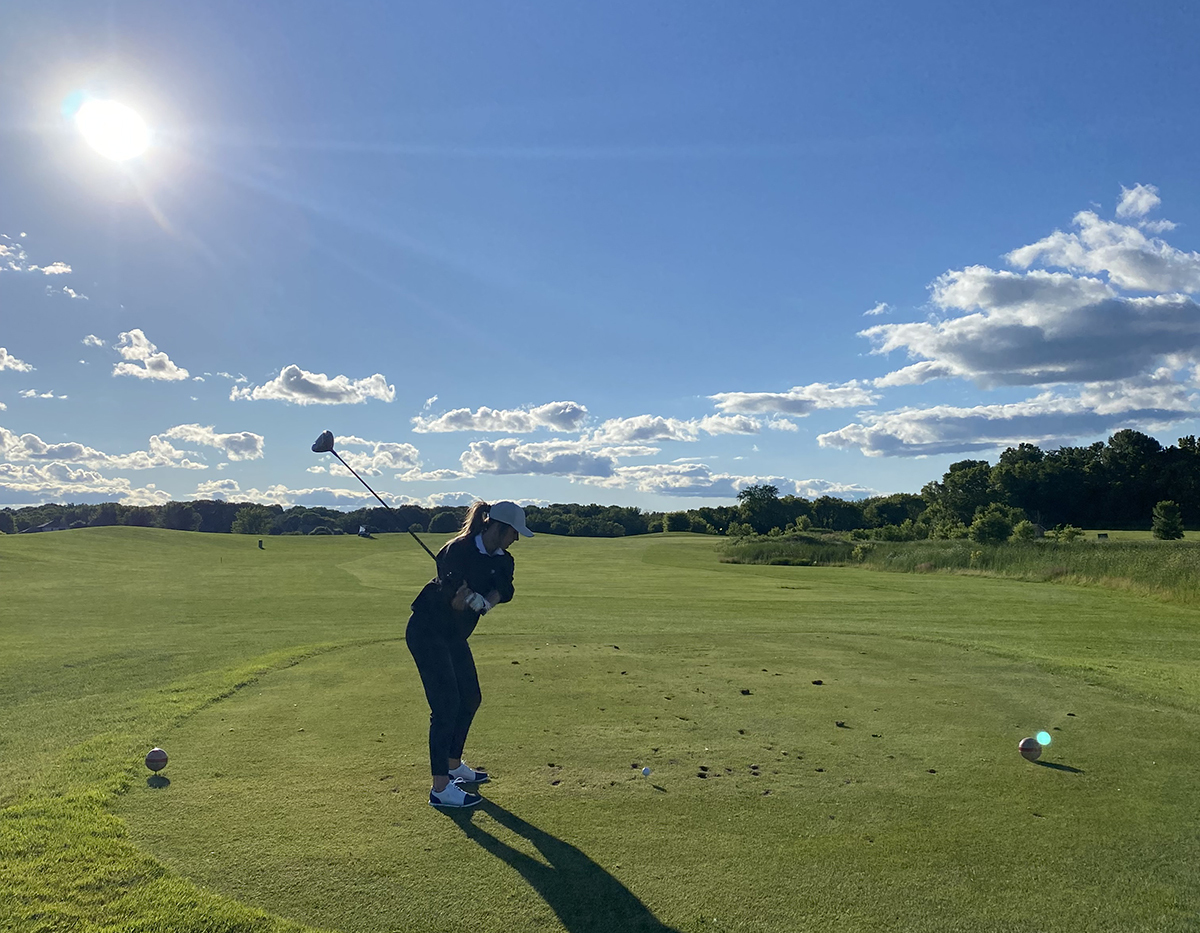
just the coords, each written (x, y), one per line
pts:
(324, 445)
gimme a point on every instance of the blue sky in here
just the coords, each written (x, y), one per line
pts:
(631, 253)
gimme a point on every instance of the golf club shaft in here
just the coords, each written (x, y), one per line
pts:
(381, 502)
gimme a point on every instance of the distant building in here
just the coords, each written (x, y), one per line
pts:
(58, 524)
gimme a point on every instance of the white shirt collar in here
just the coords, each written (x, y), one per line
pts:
(483, 550)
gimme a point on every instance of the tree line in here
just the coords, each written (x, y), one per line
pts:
(1115, 484)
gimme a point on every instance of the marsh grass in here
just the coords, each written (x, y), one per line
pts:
(1163, 569)
(798, 549)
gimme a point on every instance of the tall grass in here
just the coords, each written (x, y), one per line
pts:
(798, 549)
(1166, 569)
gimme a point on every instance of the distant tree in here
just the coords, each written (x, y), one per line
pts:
(445, 523)
(677, 521)
(1024, 530)
(803, 523)
(964, 488)
(760, 507)
(252, 520)
(991, 526)
(1167, 524)
(179, 516)
(143, 516)
(1065, 534)
(837, 514)
(105, 514)
(321, 530)
(892, 510)
(938, 521)
(8, 524)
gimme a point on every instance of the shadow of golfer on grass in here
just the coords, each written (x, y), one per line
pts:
(585, 897)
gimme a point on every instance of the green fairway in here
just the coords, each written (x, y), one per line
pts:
(279, 683)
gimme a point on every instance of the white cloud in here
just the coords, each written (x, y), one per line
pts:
(696, 480)
(33, 393)
(242, 445)
(782, 424)
(34, 484)
(68, 291)
(224, 490)
(649, 429)
(239, 378)
(1138, 201)
(31, 448)
(432, 476)
(383, 457)
(8, 361)
(149, 362)
(729, 424)
(13, 258)
(1038, 328)
(560, 458)
(1046, 419)
(797, 401)
(553, 416)
(91, 340)
(300, 387)
(1130, 259)
(881, 308)
(644, 429)
(429, 403)
(1046, 328)
(344, 499)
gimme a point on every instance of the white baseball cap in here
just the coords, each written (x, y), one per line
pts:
(511, 514)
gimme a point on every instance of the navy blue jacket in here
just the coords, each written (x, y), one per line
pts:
(459, 562)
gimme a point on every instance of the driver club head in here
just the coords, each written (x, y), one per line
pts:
(324, 443)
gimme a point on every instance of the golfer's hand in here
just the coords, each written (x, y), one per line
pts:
(478, 603)
(459, 602)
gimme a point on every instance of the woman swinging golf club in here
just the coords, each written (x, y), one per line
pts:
(474, 573)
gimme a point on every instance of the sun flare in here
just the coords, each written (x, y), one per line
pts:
(112, 129)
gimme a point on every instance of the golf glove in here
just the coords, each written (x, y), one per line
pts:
(478, 603)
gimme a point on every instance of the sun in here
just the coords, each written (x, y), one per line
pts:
(112, 129)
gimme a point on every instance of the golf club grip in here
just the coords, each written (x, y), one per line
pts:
(381, 502)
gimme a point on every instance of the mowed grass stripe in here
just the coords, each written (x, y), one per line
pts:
(215, 613)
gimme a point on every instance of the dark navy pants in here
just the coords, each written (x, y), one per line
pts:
(447, 671)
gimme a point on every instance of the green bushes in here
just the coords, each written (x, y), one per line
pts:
(1167, 525)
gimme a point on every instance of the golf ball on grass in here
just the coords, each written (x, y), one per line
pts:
(1030, 749)
(646, 771)
(156, 759)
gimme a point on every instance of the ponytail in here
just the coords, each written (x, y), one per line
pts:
(477, 517)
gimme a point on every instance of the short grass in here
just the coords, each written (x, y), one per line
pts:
(279, 683)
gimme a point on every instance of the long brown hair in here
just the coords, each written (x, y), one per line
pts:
(477, 517)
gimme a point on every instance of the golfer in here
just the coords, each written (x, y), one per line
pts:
(474, 574)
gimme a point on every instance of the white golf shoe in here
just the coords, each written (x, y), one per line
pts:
(453, 796)
(465, 774)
